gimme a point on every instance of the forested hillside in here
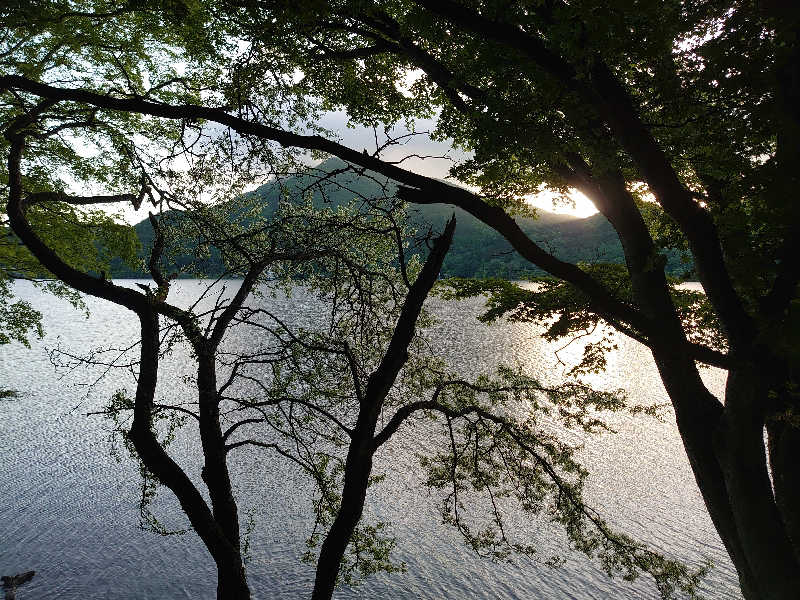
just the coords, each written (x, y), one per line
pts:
(476, 251)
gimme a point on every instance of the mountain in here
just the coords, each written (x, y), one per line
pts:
(476, 251)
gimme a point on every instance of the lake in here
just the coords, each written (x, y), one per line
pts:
(69, 509)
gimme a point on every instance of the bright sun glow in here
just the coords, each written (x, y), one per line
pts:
(580, 206)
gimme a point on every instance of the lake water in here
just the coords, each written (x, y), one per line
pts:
(69, 510)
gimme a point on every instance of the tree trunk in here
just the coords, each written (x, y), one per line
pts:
(725, 447)
(232, 584)
(739, 444)
(232, 578)
(232, 581)
(697, 411)
(698, 414)
(358, 467)
(784, 449)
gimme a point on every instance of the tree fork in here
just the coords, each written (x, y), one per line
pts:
(698, 414)
(147, 447)
(739, 444)
(358, 465)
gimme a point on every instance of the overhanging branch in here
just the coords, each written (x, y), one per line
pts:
(416, 188)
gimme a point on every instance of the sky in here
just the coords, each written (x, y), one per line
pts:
(422, 145)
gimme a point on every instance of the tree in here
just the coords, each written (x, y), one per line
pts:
(304, 387)
(679, 120)
(294, 239)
